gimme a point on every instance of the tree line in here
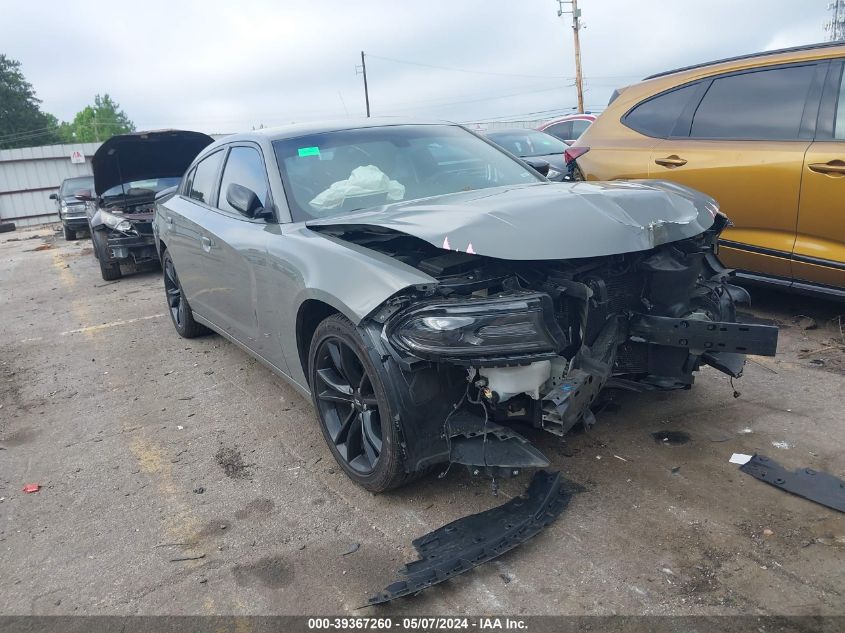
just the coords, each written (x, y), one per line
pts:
(24, 124)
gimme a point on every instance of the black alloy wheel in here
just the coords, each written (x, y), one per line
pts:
(180, 310)
(348, 405)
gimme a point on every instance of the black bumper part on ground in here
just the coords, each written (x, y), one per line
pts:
(478, 538)
(822, 488)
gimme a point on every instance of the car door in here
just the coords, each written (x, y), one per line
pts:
(743, 143)
(236, 256)
(819, 254)
(179, 222)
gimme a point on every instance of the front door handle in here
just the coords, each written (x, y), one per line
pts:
(671, 161)
(206, 244)
(832, 167)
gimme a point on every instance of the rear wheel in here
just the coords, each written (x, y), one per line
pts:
(355, 415)
(180, 312)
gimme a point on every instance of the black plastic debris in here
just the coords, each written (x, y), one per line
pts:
(463, 544)
(823, 488)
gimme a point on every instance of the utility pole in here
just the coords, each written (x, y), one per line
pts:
(576, 27)
(836, 24)
(363, 68)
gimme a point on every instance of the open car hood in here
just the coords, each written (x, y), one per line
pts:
(547, 220)
(143, 155)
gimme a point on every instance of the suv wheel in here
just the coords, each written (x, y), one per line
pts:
(70, 236)
(354, 412)
(180, 312)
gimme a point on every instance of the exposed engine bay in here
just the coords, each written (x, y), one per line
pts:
(496, 341)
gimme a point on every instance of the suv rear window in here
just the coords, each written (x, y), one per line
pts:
(657, 116)
(759, 105)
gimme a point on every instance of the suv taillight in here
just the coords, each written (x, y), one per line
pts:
(572, 153)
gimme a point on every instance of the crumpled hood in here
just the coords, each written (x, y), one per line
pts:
(143, 155)
(548, 220)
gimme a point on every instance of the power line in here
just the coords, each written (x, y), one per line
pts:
(465, 70)
(504, 96)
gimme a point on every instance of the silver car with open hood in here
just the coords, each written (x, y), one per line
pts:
(432, 294)
(130, 170)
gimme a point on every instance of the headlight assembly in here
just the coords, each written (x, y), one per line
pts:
(518, 325)
(115, 222)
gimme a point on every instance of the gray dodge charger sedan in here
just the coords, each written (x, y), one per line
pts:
(431, 293)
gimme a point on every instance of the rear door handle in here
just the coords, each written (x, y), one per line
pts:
(671, 161)
(206, 244)
(832, 167)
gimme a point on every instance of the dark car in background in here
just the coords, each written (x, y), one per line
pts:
(431, 292)
(71, 209)
(531, 145)
(130, 170)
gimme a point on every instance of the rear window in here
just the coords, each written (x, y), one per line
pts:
(760, 105)
(657, 116)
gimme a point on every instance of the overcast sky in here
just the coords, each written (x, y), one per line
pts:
(227, 66)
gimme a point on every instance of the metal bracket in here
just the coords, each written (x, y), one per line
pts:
(717, 336)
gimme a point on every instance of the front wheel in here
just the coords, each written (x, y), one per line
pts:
(354, 412)
(108, 269)
(180, 312)
(70, 235)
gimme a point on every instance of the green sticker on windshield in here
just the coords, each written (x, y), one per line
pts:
(309, 151)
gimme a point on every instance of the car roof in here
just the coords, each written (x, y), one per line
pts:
(296, 130)
(750, 56)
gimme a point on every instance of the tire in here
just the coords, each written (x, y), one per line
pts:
(177, 305)
(70, 236)
(109, 270)
(352, 407)
(6, 227)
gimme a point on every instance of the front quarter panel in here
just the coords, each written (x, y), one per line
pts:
(352, 279)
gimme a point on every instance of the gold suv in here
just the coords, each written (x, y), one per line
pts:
(764, 135)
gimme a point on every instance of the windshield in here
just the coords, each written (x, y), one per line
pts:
(337, 172)
(142, 187)
(525, 143)
(73, 186)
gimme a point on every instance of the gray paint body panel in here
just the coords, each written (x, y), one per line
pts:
(548, 220)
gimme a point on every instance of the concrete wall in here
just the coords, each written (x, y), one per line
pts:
(30, 174)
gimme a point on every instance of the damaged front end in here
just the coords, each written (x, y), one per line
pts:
(495, 342)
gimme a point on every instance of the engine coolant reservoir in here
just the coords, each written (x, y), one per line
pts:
(511, 381)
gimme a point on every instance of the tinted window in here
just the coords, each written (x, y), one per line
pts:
(73, 186)
(839, 130)
(243, 167)
(205, 177)
(561, 130)
(579, 126)
(766, 104)
(189, 181)
(657, 116)
(528, 143)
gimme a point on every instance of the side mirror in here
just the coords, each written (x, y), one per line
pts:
(84, 194)
(244, 200)
(538, 164)
(54, 196)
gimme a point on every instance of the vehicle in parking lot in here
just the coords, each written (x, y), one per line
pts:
(764, 135)
(429, 290)
(70, 208)
(129, 171)
(530, 145)
(568, 128)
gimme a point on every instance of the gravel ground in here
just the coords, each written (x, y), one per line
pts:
(182, 477)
